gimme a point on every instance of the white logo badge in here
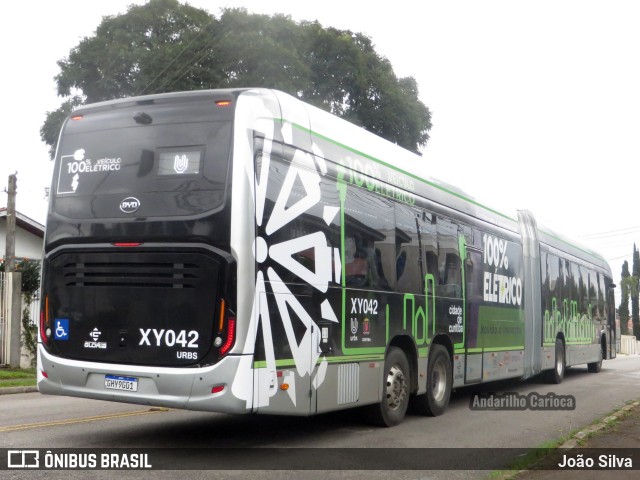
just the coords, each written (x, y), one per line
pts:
(129, 205)
(181, 163)
(95, 336)
(354, 326)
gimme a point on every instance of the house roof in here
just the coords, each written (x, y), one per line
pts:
(26, 223)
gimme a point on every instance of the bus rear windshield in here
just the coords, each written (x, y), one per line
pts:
(151, 161)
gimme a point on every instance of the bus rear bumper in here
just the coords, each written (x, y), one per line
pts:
(185, 388)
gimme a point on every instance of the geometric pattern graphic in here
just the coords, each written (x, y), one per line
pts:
(305, 169)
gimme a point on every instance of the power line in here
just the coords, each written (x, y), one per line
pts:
(179, 71)
(612, 233)
(618, 258)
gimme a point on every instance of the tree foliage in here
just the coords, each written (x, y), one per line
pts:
(166, 46)
(623, 310)
(30, 270)
(634, 292)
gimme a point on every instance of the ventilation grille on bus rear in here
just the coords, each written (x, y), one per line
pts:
(158, 275)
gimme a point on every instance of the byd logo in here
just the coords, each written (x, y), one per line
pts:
(129, 205)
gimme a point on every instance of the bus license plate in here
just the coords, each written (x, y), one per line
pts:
(116, 382)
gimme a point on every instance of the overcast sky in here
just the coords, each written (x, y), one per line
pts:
(536, 104)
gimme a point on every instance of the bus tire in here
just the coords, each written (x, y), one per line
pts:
(556, 374)
(595, 367)
(396, 386)
(439, 379)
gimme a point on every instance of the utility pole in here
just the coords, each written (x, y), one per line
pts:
(10, 251)
(14, 277)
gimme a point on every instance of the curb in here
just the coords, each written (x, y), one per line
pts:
(604, 422)
(573, 441)
(8, 390)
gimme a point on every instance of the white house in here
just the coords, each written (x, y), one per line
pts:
(29, 236)
(29, 245)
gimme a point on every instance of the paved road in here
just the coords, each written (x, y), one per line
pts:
(37, 421)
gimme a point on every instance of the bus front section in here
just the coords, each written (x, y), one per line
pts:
(138, 293)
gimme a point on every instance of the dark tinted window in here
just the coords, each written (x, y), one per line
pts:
(449, 265)
(370, 245)
(171, 168)
(601, 296)
(593, 294)
(410, 265)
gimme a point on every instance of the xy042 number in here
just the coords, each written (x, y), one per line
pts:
(168, 338)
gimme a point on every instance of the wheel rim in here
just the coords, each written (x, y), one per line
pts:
(396, 387)
(438, 381)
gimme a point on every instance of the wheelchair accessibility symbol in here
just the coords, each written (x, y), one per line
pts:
(61, 331)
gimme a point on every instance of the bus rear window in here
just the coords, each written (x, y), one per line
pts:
(170, 167)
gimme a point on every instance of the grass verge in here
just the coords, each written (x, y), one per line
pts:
(17, 377)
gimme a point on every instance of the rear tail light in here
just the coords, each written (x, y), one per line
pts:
(45, 324)
(226, 334)
(231, 336)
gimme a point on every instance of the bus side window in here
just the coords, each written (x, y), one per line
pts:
(370, 246)
(449, 268)
(356, 266)
(410, 265)
(427, 222)
(545, 290)
(593, 295)
(602, 292)
(555, 282)
(584, 292)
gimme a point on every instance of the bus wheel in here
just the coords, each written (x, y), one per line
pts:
(595, 367)
(557, 373)
(395, 390)
(439, 378)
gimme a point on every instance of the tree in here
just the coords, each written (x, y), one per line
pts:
(623, 310)
(166, 46)
(634, 292)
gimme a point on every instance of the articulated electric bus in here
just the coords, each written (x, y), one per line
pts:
(241, 251)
